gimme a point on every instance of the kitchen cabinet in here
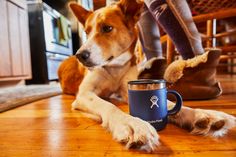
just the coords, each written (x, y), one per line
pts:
(15, 63)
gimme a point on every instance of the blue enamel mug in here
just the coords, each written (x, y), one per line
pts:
(148, 101)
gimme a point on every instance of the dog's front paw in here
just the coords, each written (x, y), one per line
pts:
(209, 122)
(135, 133)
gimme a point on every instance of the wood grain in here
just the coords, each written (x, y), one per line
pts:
(14, 34)
(49, 128)
(25, 43)
(5, 62)
(215, 15)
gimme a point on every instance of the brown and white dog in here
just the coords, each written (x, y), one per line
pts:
(109, 55)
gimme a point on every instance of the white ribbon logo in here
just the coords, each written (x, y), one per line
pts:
(154, 100)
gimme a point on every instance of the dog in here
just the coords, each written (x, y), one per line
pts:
(109, 56)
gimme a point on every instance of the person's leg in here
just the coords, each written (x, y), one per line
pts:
(149, 35)
(176, 19)
(183, 13)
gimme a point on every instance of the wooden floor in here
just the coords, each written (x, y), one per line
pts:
(49, 128)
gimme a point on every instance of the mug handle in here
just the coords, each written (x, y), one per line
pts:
(178, 104)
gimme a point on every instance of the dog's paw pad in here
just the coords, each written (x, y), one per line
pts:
(135, 145)
(202, 123)
(217, 125)
(123, 141)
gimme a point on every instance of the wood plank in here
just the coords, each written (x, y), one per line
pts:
(49, 128)
(5, 62)
(227, 49)
(14, 35)
(25, 43)
(215, 15)
(58, 153)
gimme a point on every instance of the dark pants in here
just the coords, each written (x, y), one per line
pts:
(175, 17)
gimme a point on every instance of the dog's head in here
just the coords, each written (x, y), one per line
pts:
(110, 31)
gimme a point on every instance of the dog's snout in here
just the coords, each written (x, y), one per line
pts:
(83, 55)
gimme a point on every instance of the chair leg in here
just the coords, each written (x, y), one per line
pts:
(170, 55)
(211, 31)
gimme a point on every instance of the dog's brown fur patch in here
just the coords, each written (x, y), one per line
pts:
(71, 73)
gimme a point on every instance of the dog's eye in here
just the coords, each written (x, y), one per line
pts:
(106, 29)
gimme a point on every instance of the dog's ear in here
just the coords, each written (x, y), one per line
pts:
(131, 8)
(80, 13)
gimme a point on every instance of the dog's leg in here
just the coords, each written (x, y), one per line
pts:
(133, 131)
(205, 122)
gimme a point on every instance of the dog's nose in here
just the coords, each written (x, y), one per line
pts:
(83, 55)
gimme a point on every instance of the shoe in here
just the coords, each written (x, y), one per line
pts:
(153, 69)
(195, 79)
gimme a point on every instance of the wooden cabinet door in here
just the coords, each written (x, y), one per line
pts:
(14, 35)
(25, 43)
(5, 58)
(15, 62)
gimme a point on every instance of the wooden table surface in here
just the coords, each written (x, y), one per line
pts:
(49, 128)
